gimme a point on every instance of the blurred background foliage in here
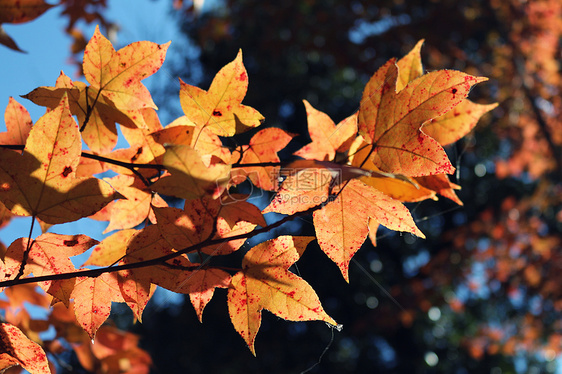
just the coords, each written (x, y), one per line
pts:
(482, 293)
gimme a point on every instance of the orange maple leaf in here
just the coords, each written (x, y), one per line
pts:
(42, 181)
(17, 349)
(343, 224)
(327, 138)
(263, 148)
(391, 121)
(266, 283)
(301, 190)
(189, 177)
(133, 209)
(18, 124)
(220, 107)
(48, 254)
(184, 132)
(194, 224)
(116, 94)
(92, 300)
(118, 74)
(452, 125)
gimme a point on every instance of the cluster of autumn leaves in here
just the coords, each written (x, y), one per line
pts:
(392, 152)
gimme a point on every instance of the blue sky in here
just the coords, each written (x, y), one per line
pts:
(48, 52)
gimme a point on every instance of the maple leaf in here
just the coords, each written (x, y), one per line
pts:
(19, 12)
(48, 254)
(391, 121)
(142, 147)
(201, 287)
(22, 11)
(17, 349)
(92, 300)
(343, 224)
(133, 209)
(456, 123)
(263, 148)
(184, 132)
(194, 224)
(176, 229)
(18, 124)
(117, 74)
(135, 284)
(116, 94)
(326, 137)
(190, 177)
(220, 107)
(440, 183)
(111, 249)
(405, 189)
(42, 181)
(266, 283)
(301, 191)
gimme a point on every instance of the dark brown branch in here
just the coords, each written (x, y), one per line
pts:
(92, 273)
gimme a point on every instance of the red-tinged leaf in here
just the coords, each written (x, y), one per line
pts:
(111, 249)
(235, 217)
(373, 227)
(398, 187)
(49, 254)
(440, 183)
(391, 121)
(326, 137)
(99, 131)
(92, 300)
(194, 224)
(183, 132)
(189, 177)
(26, 293)
(17, 349)
(456, 123)
(220, 108)
(301, 191)
(18, 123)
(135, 208)
(185, 228)
(22, 11)
(409, 67)
(148, 244)
(136, 291)
(42, 182)
(266, 283)
(343, 224)
(263, 148)
(118, 350)
(200, 284)
(118, 74)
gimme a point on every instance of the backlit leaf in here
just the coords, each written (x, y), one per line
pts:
(343, 224)
(118, 74)
(266, 283)
(17, 349)
(41, 182)
(391, 121)
(220, 107)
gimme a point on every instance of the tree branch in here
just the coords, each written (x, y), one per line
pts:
(92, 273)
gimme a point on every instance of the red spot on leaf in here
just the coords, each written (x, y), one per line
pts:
(67, 170)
